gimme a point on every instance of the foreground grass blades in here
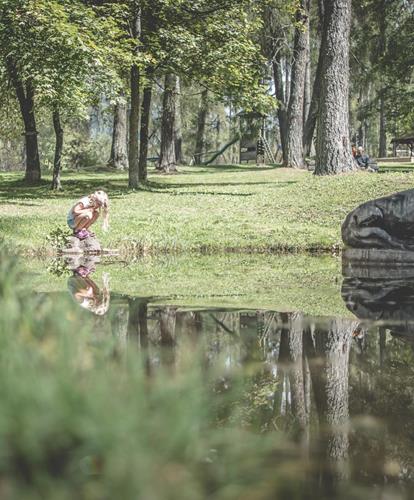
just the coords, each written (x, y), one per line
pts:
(81, 418)
(201, 209)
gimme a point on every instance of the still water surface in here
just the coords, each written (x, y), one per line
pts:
(339, 389)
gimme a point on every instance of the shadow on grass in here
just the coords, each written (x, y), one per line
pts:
(13, 190)
(160, 187)
(238, 168)
(116, 184)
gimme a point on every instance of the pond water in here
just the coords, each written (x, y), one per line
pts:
(338, 387)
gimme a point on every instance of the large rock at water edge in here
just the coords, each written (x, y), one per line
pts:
(384, 223)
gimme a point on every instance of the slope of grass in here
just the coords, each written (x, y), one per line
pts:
(201, 209)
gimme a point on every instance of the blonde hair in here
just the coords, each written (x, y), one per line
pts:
(102, 198)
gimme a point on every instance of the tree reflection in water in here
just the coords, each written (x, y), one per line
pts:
(297, 377)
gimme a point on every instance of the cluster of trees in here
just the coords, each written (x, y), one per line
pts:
(59, 58)
(342, 73)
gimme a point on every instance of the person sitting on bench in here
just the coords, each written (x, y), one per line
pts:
(362, 158)
(364, 161)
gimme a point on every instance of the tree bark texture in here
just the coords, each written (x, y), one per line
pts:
(144, 130)
(308, 87)
(25, 95)
(57, 162)
(382, 130)
(133, 172)
(273, 49)
(312, 115)
(119, 148)
(201, 127)
(382, 25)
(280, 96)
(294, 140)
(333, 149)
(178, 133)
(167, 162)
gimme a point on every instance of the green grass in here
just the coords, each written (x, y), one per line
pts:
(396, 167)
(282, 283)
(206, 209)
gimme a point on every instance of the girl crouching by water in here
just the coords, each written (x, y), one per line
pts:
(85, 212)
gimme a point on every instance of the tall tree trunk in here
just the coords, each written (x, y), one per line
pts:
(294, 142)
(167, 161)
(25, 96)
(308, 87)
(178, 133)
(133, 172)
(280, 96)
(288, 72)
(382, 25)
(57, 163)
(119, 148)
(382, 130)
(312, 116)
(201, 126)
(333, 149)
(144, 130)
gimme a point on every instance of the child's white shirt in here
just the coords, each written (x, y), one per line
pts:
(86, 202)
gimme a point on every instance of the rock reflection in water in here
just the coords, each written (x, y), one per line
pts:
(381, 294)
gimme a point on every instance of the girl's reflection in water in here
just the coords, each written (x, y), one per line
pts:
(85, 291)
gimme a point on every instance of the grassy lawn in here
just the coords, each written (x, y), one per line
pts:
(201, 209)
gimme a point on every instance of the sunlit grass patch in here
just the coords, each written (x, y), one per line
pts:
(215, 209)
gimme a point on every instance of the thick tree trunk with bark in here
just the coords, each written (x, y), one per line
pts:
(294, 140)
(382, 130)
(382, 25)
(312, 115)
(201, 127)
(119, 148)
(167, 162)
(333, 149)
(133, 172)
(308, 87)
(25, 96)
(57, 163)
(280, 96)
(144, 130)
(178, 133)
